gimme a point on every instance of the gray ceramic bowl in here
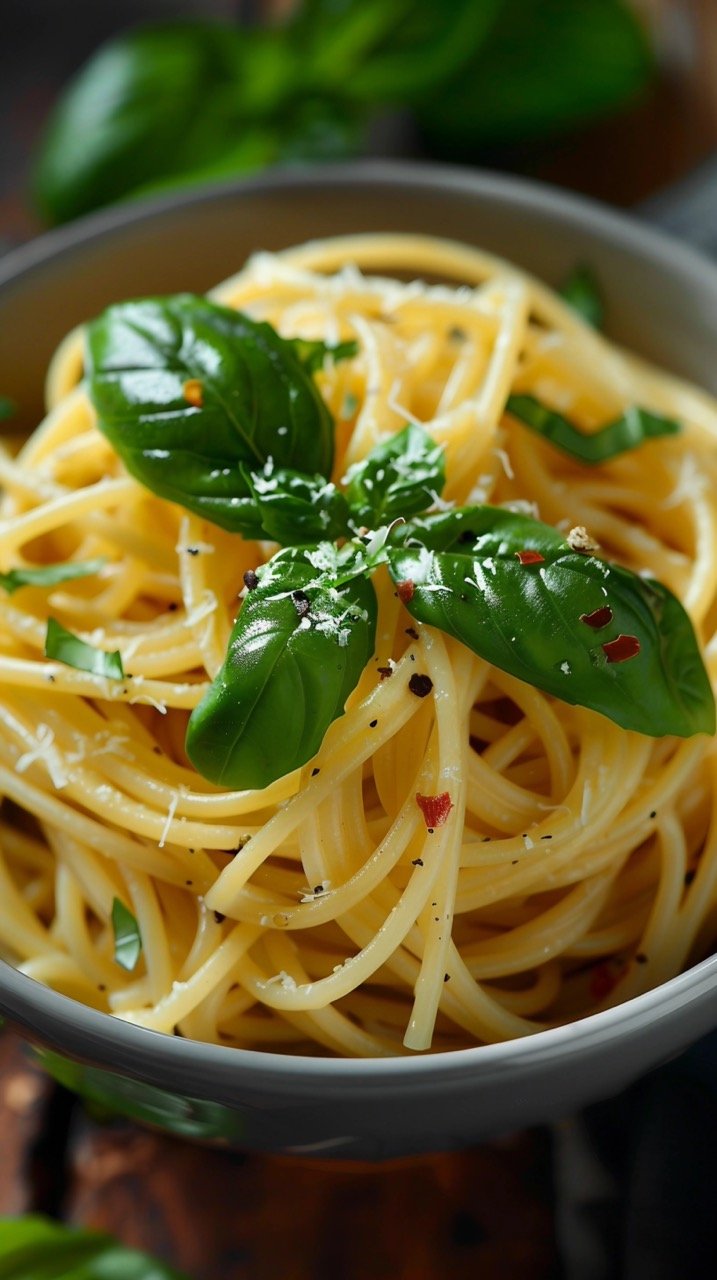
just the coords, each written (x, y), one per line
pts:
(663, 302)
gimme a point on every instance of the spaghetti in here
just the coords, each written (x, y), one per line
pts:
(578, 864)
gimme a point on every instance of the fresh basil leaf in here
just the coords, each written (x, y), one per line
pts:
(144, 107)
(36, 1248)
(295, 509)
(49, 575)
(190, 394)
(400, 477)
(312, 352)
(296, 652)
(65, 647)
(582, 291)
(545, 67)
(128, 942)
(8, 408)
(539, 621)
(629, 431)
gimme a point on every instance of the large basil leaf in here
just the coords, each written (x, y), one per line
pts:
(296, 653)
(633, 428)
(546, 66)
(400, 477)
(150, 104)
(190, 394)
(295, 509)
(35, 1248)
(554, 622)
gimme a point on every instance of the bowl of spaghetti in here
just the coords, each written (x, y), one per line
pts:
(357, 654)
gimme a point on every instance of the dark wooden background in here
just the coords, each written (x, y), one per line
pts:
(489, 1212)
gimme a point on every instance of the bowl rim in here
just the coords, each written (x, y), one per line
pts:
(35, 1006)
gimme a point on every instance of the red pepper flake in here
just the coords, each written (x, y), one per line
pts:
(598, 619)
(530, 557)
(621, 649)
(193, 392)
(385, 672)
(406, 590)
(603, 981)
(435, 809)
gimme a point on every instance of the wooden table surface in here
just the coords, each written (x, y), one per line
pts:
(488, 1212)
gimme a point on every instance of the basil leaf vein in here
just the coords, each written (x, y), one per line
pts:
(633, 428)
(64, 646)
(528, 619)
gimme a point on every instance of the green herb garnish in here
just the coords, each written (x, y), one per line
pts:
(582, 291)
(510, 588)
(635, 427)
(191, 395)
(128, 941)
(64, 646)
(8, 408)
(36, 1248)
(49, 575)
(513, 590)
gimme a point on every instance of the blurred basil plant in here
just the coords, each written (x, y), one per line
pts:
(185, 102)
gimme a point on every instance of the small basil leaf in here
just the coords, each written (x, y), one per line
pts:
(49, 575)
(529, 619)
(36, 1248)
(190, 394)
(65, 647)
(8, 408)
(631, 430)
(296, 652)
(400, 477)
(582, 291)
(128, 942)
(295, 509)
(312, 353)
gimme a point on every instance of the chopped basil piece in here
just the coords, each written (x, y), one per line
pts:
(49, 575)
(63, 646)
(8, 408)
(128, 942)
(632, 429)
(582, 292)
